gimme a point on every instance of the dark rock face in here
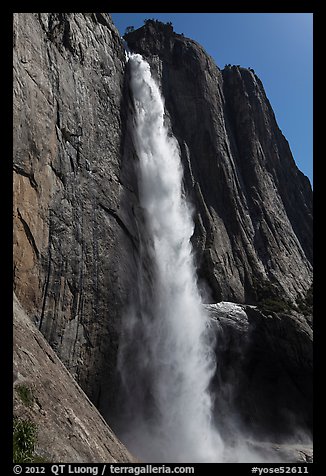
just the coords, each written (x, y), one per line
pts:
(70, 233)
(253, 206)
(264, 371)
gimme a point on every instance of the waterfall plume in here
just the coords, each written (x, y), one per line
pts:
(166, 340)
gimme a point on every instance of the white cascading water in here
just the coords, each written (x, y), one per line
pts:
(174, 346)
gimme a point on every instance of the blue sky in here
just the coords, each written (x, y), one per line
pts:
(278, 46)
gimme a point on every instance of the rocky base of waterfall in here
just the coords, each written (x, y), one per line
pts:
(253, 451)
(283, 453)
(264, 372)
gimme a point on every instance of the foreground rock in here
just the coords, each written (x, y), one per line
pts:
(69, 427)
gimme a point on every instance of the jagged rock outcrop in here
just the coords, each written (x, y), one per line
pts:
(69, 429)
(70, 232)
(253, 206)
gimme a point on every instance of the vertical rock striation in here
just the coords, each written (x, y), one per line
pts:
(70, 234)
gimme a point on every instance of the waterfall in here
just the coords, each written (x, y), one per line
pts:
(166, 359)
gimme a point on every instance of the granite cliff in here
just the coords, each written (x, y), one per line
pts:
(254, 207)
(75, 196)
